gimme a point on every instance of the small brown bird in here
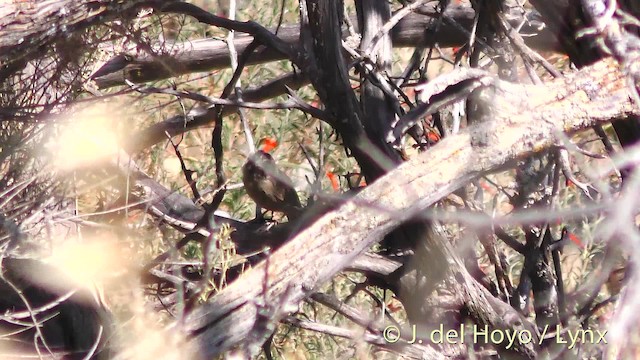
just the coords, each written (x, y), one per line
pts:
(269, 187)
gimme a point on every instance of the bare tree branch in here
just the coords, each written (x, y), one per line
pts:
(522, 125)
(211, 54)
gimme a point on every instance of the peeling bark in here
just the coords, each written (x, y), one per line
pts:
(526, 119)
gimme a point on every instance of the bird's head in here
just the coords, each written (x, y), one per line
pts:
(259, 163)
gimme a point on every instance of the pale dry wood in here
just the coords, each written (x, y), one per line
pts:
(28, 28)
(210, 54)
(526, 120)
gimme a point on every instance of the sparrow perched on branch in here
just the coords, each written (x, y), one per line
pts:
(269, 187)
